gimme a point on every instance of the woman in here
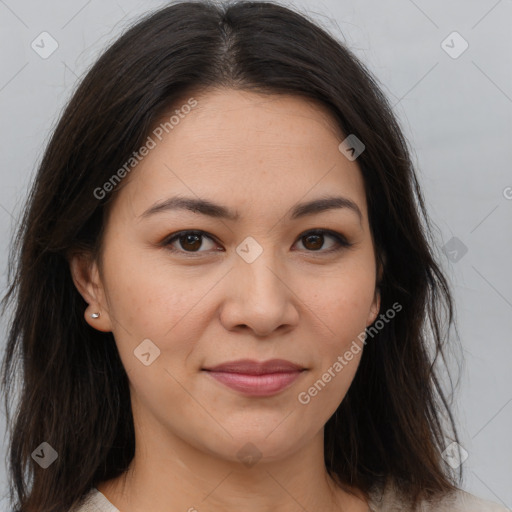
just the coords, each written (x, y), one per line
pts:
(223, 281)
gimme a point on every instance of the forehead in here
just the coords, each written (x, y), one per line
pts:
(246, 150)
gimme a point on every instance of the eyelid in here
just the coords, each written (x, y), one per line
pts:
(341, 240)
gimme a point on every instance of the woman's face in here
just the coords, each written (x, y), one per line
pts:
(257, 287)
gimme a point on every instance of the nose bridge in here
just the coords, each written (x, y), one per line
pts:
(258, 269)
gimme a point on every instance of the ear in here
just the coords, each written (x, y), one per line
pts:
(375, 307)
(86, 277)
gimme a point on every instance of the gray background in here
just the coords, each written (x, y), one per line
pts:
(455, 112)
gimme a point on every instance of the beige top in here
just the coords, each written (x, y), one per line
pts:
(461, 502)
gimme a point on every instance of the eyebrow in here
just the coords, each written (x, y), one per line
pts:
(206, 207)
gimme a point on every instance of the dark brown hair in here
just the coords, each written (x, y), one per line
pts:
(395, 420)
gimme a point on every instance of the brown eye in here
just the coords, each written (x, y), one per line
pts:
(314, 241)
(189, 241)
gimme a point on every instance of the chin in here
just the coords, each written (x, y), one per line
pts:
(247, 448)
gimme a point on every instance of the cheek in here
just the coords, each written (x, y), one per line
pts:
(342, 308)
(146, 296)
(152, 302)
(342, 303)
(164, 322)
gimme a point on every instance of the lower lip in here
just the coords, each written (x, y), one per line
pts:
(256, 385)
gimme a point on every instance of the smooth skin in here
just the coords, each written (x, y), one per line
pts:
(258, 155)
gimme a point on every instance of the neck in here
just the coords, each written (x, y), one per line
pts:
(176, 476)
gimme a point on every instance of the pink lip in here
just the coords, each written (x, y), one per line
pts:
(255, 378)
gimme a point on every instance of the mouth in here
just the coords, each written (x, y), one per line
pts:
(253, 378)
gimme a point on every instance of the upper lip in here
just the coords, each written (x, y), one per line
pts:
(251, 367)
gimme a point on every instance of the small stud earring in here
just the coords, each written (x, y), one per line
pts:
(95, 315)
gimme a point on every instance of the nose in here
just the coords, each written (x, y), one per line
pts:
(259, 296)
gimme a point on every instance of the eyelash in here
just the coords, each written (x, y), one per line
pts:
(340, 239)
